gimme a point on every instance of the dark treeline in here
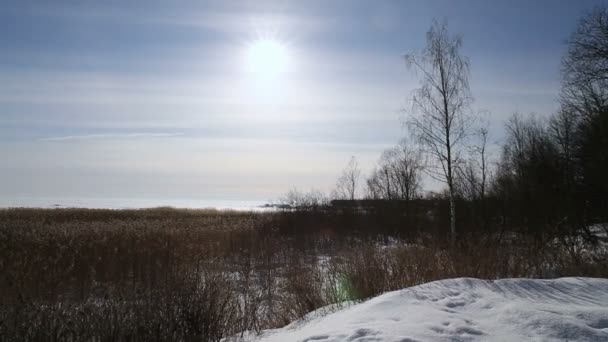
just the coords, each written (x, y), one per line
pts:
(551, 175)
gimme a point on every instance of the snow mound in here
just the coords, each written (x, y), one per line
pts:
(465, 309)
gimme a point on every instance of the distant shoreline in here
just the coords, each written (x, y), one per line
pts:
(134, 203)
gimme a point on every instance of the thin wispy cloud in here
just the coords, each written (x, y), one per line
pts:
(116, 90)
(112, 136)
(224, 19)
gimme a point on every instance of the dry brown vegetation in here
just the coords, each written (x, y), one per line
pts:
(175, 275)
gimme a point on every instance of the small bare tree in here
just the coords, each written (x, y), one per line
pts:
(380, 184)
(473, 174)
(406, 168)
(346, 187)
(562, 128)
(397, 175)
(440, 106)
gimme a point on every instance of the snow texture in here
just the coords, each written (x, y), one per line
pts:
(465, 309)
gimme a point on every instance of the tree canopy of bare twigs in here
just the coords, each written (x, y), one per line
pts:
(397, 175)
(440, 106)
(582, 126)
(473, 173)
(346, 186)
(296, 199)
(585, 66)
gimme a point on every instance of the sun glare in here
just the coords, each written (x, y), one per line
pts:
(267, 57)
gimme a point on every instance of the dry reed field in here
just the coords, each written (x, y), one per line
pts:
(182, 275)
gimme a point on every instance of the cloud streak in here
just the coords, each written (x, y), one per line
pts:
(112, 136)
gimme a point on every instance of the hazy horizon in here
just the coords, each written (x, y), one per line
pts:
(133, 203)
(241, 101)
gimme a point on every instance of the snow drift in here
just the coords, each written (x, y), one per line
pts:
(464, 309)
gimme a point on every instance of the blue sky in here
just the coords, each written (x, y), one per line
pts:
(152, 99)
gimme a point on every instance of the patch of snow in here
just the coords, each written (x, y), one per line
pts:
(465, 309)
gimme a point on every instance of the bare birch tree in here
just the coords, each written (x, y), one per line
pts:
(440, 106)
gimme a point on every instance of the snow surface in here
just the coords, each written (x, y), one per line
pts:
(465, 309)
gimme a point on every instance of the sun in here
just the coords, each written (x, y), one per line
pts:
(267, 57)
